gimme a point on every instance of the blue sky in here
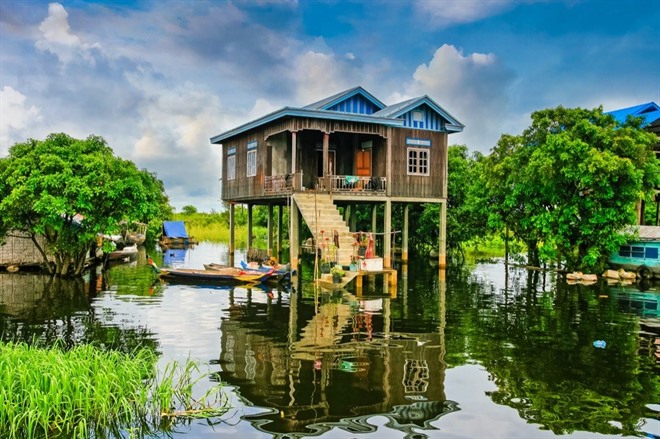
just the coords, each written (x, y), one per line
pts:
(157, 79)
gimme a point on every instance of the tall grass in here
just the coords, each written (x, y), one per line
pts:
(88, 392)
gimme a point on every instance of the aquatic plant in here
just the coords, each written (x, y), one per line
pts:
(89, 392)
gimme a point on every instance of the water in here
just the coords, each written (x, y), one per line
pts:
(486, 352)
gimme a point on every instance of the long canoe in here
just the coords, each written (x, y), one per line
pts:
(225, 275)
(279, 272)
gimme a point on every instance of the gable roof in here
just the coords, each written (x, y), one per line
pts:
(335, 100)
(649, 111)
(398, 110)
(355, 105)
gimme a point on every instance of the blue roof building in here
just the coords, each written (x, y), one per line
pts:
(348, 150)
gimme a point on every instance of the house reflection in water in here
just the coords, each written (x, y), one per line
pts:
(333, 367)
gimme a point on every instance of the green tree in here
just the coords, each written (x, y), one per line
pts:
(69, 191)
(463, 221)
(569, 185)
(189, 210)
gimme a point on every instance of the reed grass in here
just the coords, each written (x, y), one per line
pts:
(89, 392)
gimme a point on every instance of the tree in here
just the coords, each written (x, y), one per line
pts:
(462, 223)
(569, 185)
(189, 209)
(69, 191)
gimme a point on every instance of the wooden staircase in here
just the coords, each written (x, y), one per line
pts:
(320, 214)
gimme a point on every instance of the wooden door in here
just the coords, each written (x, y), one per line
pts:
(363, 162)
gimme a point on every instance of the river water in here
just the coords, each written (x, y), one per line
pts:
(478, 351)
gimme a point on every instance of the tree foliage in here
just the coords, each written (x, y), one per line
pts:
(570, 183)
(69, 191)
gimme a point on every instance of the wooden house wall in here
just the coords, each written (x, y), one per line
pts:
(243, 186)
(274, 140)
(418, 186)
(20, 250)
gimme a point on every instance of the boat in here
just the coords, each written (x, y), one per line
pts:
(641, 254)
(175, 235)
(280, 272)
(224, 275)
(126, 253)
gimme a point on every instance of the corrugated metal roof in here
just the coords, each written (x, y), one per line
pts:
(645, 233)
(325, 104)
(649, 111)
(387, 116)
(174, 229)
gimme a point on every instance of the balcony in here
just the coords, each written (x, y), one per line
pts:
(352, 184)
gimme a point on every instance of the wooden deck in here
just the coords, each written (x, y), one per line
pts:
(389, 280)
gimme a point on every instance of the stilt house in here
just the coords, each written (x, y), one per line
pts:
(345, 150)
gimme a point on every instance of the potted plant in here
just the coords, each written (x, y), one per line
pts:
(354, 263)
(337, 273)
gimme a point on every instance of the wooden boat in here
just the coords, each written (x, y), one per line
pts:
(279, 271)
(126, 253)
(224, 275)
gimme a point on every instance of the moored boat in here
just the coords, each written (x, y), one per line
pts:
(221, 275)
(279, 271)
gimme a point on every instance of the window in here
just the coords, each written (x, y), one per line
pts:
(231, 167)
(418, 161)
(252, 163)
(628, 251)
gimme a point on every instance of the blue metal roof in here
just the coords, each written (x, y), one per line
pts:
(402, 108)
(650, 112)
(348, 106)
(329, 102)
(174, 229)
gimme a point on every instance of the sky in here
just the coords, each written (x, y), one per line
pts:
(158, 79)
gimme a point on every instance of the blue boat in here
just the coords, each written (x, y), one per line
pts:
(640, 254)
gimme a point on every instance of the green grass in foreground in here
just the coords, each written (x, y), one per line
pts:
(88, 392)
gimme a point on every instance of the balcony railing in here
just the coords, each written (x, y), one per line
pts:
(280, 184)
(352, 184)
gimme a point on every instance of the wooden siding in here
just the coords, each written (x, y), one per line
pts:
(430, 119)
(345, 137)
(418, 186)
(326, 126)
(356, 104)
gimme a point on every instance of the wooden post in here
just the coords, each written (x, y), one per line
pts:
(388, 162)
(270, 230)
(232, 241)
(404, 236)
(249, 226)
(294, 234)
(326, 158)
(353, 226)
(279, 232)
(387, 237)
(442, 250)
(294, 147)
(374, 217)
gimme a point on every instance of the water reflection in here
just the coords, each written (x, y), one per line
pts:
(299, 361)
(333, 365)
(37, 308)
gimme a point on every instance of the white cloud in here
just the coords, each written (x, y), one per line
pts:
(318, 75)
(473, 88)
(58, 39)
(15, 118)
(449, 12)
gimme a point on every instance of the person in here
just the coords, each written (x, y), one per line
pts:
(370, 247)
